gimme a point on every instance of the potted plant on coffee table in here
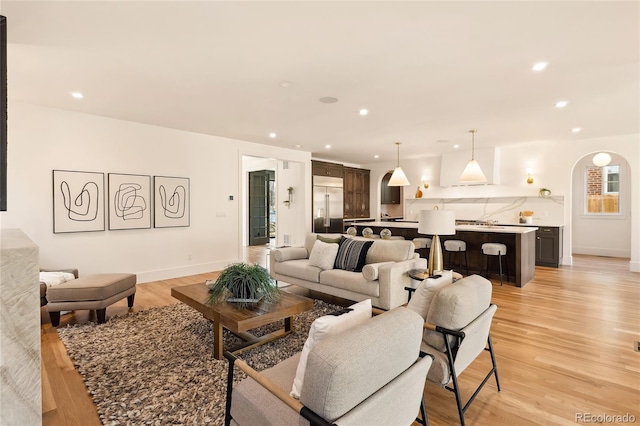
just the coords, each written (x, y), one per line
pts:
(244, 285)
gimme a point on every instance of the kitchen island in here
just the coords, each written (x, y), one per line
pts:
(520, 242)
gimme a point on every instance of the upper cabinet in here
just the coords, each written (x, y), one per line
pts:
(389, 194)
(356, 193)
(320, 168)
(453, 164)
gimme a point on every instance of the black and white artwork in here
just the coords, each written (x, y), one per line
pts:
(171, 201)
(78, 201)
(129, 201)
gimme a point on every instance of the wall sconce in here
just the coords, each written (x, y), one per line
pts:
(424, 182)
(529, 177)
(290, 200)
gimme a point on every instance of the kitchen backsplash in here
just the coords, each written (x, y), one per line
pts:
(505, 210)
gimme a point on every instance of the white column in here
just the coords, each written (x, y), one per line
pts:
(20, 375)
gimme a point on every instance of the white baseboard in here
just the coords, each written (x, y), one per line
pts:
(182, 271)
(601, 251)
(634, 266)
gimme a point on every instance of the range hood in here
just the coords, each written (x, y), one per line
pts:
(453, 164)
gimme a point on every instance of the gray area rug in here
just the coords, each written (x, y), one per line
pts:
(156, 367)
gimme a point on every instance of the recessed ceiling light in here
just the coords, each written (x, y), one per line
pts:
(576, 129)
(298, 146)
(77, 95)
(272, 135)
(376, 156)
(286, 84)
(363, 111)
(327, 146)
(561, 104)
(328, 100)
(456, 146)
(540, 66)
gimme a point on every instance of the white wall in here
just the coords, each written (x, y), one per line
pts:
(552, 164)
(43, 139)
(602, 235)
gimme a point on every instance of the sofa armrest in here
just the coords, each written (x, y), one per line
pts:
(393, 278)
(289, 253)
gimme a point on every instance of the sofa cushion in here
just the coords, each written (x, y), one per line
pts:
(299, 268)
(323, 255)
(331, 239)
(311, 237)
(456, 305)
(352, 254)
(370, 271)
(351, 281)
(422, 297)
(324, 327)
(390, 251)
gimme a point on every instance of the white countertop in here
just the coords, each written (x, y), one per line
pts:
(472, 228)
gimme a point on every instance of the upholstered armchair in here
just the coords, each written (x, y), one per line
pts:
(369, 374)
(458, 321)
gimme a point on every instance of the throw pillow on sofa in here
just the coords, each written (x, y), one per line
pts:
(324, 327)
(352, 254)
(323, 255)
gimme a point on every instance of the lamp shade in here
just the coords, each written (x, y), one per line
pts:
(437, 222)
(398, 178)
(473, 173)
(601, 159)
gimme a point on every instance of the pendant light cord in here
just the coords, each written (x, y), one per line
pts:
(473, 143)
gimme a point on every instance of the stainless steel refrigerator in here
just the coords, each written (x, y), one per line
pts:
(328, 200)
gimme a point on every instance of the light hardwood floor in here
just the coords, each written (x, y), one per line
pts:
(564, 346)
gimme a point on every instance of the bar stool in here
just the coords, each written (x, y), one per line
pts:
(422, 245)
(457, 247)
(495, 249)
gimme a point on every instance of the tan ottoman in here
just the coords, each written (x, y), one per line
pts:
(91, 292)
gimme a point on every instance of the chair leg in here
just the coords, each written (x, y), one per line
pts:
(130, 299)
(466, 262)
(500, 264)
(493, 362)
(423, 412)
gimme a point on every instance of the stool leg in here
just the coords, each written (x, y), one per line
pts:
(130, 300)
(102, 315)
(500, 263)
(55, 318)
(466, 263)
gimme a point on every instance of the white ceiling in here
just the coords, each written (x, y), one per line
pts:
(426, 71)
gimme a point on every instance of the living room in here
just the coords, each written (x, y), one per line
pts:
(47, 134)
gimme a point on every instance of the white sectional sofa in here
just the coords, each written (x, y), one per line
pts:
(382, 280)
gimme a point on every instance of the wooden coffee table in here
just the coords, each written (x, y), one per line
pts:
(239, 321)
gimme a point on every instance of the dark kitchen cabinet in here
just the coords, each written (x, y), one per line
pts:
(320, 168)
(356, 193)
(549, 246)
(389, 194)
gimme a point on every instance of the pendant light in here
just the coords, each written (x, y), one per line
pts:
(473, 173)
(398, 178)
(601, 159)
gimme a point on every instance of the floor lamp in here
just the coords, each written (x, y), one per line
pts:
(436, 222)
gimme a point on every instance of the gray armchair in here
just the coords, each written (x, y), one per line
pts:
(457, 331)
(370, 374)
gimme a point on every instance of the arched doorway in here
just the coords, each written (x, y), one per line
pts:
(601, 207)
